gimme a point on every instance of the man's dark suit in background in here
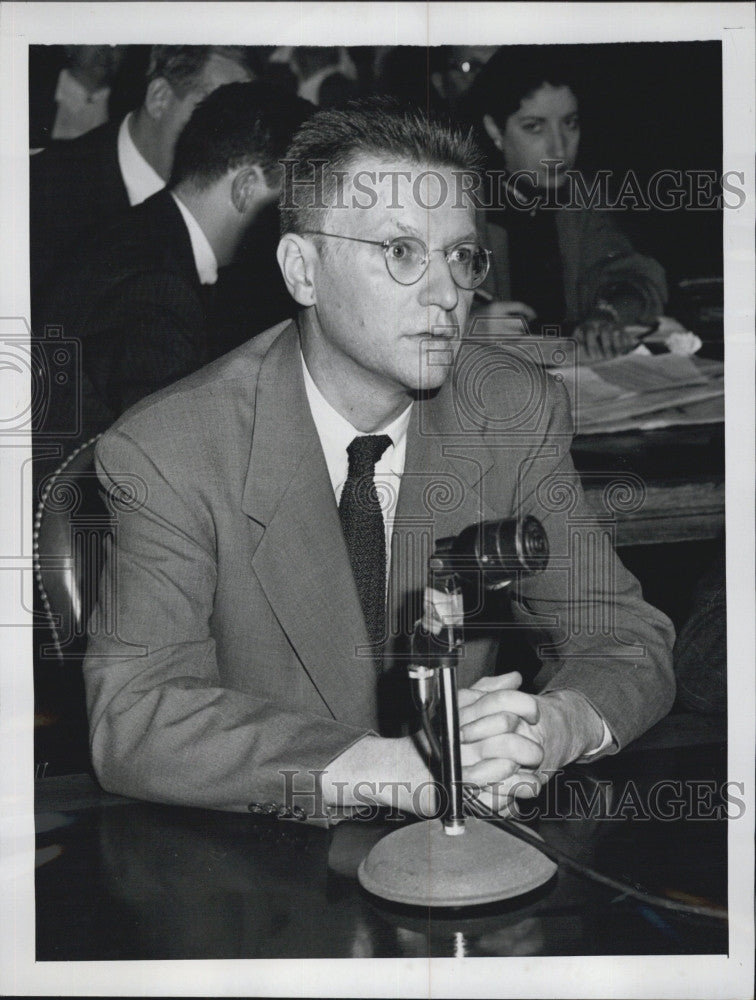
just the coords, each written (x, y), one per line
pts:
(133, 300)
(75, 188)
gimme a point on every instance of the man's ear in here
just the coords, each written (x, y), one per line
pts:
(493, 130)
(297, 259)
(248, 187)
(159, 97)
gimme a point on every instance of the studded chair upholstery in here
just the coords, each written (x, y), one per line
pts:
(71, 529)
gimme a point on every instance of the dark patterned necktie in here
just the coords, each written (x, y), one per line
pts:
(364, 530)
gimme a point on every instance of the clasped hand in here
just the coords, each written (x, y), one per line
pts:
(503, 748)
(502, 743)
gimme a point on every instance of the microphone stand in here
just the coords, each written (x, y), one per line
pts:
(455, 859)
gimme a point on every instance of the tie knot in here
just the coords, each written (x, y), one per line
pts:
(364, 452)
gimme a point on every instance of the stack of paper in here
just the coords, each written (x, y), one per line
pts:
(644, 392)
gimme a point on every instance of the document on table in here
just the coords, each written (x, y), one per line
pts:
(644, 392)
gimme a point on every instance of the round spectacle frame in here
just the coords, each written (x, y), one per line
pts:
(407, 259)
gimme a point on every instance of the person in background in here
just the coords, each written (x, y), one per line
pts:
(325, 75)
(455, 67)
(77, 186)
(135, 297)
(70, 90)
(555, 262)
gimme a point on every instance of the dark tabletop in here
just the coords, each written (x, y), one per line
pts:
(119, 879)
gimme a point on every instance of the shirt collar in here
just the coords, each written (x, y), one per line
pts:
(140, 178)
(336, 433)
(204, 257)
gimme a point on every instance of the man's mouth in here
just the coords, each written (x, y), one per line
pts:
(438, 333)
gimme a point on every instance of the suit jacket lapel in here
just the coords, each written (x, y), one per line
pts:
(439, 495)
(170, 230)
(111, 177)
(302, 561)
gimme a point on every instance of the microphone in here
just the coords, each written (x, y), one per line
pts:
(491, 552)
(458, 859)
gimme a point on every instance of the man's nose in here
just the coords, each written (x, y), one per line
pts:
(437, 285)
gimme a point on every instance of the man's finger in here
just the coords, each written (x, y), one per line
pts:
(490, 771)
(489, 725)
(508, 681)
(495, 702)
(504, 746)
(467, 696)
(502, 797)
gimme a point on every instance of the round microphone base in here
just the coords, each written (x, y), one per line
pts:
(420, 865)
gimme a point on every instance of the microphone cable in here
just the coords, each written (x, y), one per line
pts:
(481, 811)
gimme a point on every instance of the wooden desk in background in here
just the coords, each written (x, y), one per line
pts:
(680, 470)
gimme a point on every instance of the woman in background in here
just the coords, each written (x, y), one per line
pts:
(563, 262)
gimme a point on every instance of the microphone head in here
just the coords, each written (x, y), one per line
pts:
(495, 551)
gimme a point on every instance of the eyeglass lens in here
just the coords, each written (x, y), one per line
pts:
(407, 260)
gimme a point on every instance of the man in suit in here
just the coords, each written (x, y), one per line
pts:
(78, 185)
(253, 634)
(135, 297)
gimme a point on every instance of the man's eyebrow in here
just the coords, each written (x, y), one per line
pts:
(469, 237)
(409, 230)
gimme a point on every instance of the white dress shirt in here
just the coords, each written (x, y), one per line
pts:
(204, 256)
(336, 434)
(140, 178)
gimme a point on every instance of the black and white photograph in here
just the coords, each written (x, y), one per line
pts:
(377, 442)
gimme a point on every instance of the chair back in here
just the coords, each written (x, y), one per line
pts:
(71, 531)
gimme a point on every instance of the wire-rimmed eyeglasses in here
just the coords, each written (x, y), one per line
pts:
(407, 259)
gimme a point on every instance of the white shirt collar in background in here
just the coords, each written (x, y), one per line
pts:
(204, 256)
(141, 179)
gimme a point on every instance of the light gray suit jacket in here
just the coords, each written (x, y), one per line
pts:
(229, 644)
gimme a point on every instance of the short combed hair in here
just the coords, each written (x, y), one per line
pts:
(181, 65)
(237, 125)
(378, 127)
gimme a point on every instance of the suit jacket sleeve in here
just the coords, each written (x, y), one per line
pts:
(600, 264)
(162, 724)
(585, 614)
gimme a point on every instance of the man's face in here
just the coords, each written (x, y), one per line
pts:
(217, 71)
(546, 127)
(403, 337)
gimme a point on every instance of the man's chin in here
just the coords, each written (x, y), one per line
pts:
(432, 378)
